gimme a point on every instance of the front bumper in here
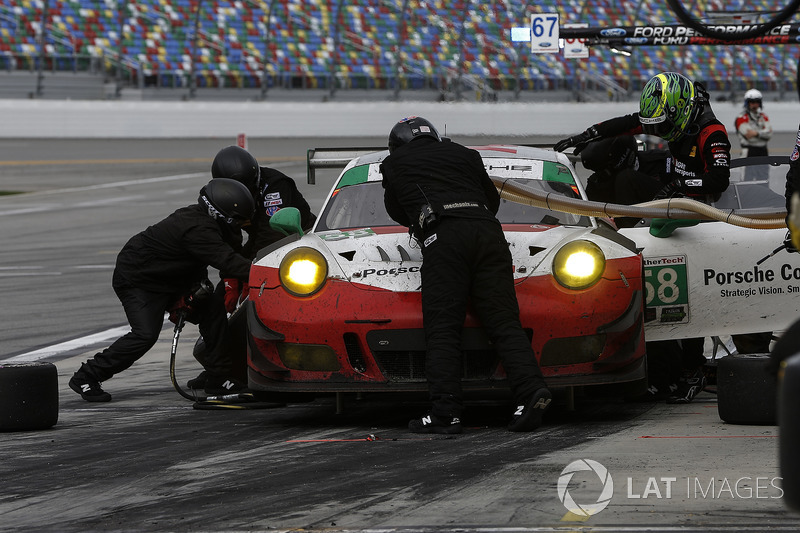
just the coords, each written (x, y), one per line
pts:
(350, 339)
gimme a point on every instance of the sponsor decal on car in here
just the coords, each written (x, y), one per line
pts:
(667, 289)
(752, 282)
(385, 271)
(337, 235)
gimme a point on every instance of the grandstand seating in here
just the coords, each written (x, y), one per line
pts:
(364, 43)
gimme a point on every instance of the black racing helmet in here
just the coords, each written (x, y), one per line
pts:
(228, 200)
(610, 154)
(411, 128)
(233, 162)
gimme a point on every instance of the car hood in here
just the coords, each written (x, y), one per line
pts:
(387, 258)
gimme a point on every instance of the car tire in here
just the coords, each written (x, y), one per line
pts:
(789, 432)
(747, 393)
(28, 396)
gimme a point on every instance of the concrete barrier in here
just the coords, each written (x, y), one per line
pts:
(125, 119)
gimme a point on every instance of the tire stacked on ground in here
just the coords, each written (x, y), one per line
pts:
(747, 392)
(28, 396)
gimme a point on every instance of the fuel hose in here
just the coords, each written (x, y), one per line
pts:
(672, 208)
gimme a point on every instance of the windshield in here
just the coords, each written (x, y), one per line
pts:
(756, 182)
(357, 202)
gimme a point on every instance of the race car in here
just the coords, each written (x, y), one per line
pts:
(714, 278)
(339, 309)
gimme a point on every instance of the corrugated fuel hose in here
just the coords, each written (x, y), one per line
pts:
(673, 208)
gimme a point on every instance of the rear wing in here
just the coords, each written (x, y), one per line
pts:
(333, 158)
(339, 157)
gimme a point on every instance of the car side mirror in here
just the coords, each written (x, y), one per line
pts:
(664, 227)
(287, 221)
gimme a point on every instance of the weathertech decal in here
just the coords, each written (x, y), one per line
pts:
(667, 298)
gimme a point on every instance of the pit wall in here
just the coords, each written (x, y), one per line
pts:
(125, 119)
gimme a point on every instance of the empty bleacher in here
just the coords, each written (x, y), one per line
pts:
(442, 45)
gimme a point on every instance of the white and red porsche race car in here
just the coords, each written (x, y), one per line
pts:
(339, 309)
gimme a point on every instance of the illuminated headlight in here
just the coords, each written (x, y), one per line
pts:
(303, 271)
(579, 265)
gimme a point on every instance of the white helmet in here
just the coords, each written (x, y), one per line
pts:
(753, 95)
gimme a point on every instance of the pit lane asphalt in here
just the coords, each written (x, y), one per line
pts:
(149, 462)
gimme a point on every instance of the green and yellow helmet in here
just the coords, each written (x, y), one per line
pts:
(668, 106)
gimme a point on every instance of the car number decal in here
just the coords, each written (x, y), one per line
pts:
(667, 289)
(341, 235)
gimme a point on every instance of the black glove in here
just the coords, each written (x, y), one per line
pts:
(579, 141)
(787, 242)
(671, 190)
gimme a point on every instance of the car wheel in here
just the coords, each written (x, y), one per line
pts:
(789, 434)
(28, 396)
(747, 393)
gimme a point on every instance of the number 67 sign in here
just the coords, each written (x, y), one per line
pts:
(544, 33)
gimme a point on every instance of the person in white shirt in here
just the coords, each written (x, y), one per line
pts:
(754, 131)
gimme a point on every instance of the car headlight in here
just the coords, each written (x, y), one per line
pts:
(579, 264)
(303, 271)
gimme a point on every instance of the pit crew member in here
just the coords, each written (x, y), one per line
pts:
(677, 110)
(622, 174)
(271, 190)
(440, 190)
(159, 266)
(789, 342)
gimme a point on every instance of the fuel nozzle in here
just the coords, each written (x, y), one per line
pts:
(183, 310)
(202, 292)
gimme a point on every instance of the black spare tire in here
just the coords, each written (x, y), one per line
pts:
(747, 392)
(28, 396)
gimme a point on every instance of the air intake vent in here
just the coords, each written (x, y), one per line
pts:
(354, 354)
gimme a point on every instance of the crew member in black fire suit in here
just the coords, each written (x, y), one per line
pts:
(793, 176)
(622, 174)
(789, 342)
(440, 190)
(158, 267)
(271, 191)
(677, 110)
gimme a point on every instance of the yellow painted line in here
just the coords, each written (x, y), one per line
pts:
(134, 161)
(572, 517)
